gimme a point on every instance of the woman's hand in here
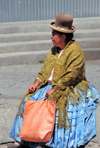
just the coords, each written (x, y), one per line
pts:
(49, 92)
(33, 87)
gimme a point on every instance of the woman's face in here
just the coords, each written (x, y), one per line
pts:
(57, 39)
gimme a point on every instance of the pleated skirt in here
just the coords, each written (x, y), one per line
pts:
(81, 116)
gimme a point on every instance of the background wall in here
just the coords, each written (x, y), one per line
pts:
(27, 10)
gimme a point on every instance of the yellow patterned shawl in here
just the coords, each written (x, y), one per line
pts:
(69, 72)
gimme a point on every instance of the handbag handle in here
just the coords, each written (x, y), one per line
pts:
(43, 98)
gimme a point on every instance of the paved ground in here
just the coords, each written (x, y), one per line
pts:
(15, 80)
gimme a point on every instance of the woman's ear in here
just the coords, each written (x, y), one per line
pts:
(64, 36)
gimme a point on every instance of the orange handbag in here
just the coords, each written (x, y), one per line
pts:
(38, 121)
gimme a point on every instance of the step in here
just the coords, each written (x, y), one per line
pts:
(92, 54)
(25, 46)
(89, 42)
(18, 58)
(42, 26)
(44, 44)
(20, 37)
(87, 33)
(87, 25)
(24, 28)
(33, 57)
(75, 20)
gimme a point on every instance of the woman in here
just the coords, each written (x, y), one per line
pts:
(62, 79)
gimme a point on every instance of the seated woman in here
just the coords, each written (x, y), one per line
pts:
(62, 79)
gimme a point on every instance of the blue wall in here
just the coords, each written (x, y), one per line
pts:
(27, 10)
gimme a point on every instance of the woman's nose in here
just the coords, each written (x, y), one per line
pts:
(51, 36)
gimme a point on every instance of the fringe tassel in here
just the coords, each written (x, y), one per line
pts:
(62, 99)
(20, 106)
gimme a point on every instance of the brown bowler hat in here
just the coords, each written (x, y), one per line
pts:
(63, 23)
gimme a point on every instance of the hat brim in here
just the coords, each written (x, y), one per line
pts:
(73, 29)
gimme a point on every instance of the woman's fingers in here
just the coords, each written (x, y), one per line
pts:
(49, 92)
(32, 88)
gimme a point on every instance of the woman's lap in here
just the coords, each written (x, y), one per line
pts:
(81, 116)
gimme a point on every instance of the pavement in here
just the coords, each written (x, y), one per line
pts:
(15, 81)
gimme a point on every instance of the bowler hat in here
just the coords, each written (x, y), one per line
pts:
(63, 23)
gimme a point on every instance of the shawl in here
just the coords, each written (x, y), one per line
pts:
(69, 72)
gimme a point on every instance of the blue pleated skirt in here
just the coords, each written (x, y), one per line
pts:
(81, 116)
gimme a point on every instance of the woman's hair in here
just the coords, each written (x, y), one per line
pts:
(69, 36)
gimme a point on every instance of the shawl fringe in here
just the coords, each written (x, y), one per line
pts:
(62, 99)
